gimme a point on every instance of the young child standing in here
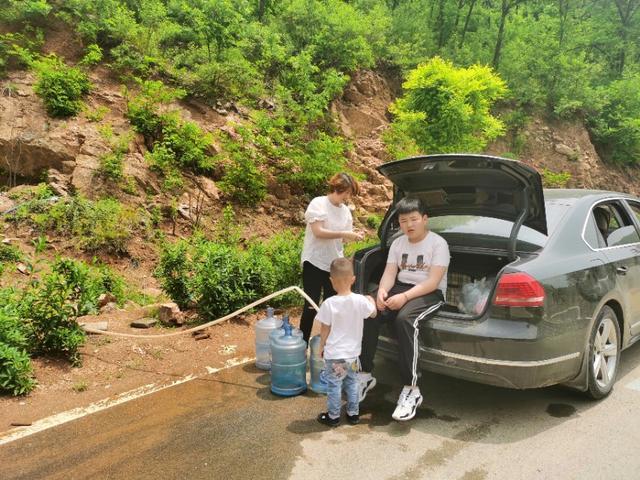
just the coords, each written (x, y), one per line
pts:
(342, 318)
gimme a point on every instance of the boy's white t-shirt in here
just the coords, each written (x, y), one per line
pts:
(322, 251)
(414, 260)
(345, 315)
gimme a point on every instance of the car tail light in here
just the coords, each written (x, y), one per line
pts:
(518, 290)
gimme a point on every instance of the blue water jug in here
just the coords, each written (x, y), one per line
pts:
(316, 366)
(263, 329)
(288, 364)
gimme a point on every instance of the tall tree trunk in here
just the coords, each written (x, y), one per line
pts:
(563, 10)
(466, 23)
(262, 7)
(441, 24)
(626, 11)
(506, 6)
(458, 11)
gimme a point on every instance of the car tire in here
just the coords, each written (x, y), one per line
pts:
(604, 353)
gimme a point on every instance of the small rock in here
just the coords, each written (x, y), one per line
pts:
(144, 323)
(109, 308)
(21, 423)
(106, 298)
(102, 326)
(201, 335)
(563, 149)
(22, 268)
(169, 313)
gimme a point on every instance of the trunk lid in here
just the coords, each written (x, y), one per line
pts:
(464, 184)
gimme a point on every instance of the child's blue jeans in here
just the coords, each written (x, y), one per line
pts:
(338, 372)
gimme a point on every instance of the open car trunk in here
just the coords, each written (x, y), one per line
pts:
(466, 266)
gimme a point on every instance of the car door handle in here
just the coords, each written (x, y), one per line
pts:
(622, 270)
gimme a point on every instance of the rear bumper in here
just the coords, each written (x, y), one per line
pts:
(496, 352)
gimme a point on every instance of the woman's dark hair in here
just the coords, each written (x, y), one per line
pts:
(341, 182)
(410, 205)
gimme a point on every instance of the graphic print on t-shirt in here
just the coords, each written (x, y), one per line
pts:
(418, 266)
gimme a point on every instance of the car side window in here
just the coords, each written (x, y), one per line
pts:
(635, 208)
(591, 234)
(614, 224)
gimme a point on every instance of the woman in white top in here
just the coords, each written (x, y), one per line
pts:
(329, 224)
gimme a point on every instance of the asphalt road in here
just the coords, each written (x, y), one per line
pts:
(229, 426)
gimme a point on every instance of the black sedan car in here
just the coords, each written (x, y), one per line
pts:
(543, 285)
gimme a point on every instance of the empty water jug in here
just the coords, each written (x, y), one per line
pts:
(263, 342)
(288, 364)
(316, 366)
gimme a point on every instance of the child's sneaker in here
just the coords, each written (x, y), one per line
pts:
(325, 419)
(408, 403)
(353, 419)
(366, 382)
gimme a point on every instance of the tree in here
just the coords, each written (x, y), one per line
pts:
(447, 109)
(507, 6)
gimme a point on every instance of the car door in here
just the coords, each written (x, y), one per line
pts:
(622, 249)
(634, 209)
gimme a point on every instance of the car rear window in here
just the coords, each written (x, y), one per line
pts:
(495, 227)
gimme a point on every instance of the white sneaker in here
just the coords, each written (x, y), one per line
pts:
(408, 403)
(366, 383)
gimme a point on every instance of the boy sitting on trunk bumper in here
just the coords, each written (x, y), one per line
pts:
(411, 290)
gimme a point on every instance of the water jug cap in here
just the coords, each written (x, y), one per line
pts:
(269, 312)
(287, 329)
(285, 320)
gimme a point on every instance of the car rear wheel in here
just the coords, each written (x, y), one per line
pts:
(604, 354)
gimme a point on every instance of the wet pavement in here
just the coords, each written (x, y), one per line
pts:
(230, 426)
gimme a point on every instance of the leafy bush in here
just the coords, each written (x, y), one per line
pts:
(243, 180)
(446, 109)
(173, 270)
(61, 87)
(112, 164)
(220, 278)
(50, 318)
(16, 372)
(552, 179)
(104, 225)
(9, 253)
(616, 127)
(24, 10)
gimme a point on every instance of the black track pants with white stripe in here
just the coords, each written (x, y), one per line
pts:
(406, 323)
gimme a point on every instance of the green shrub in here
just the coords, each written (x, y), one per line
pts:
(173, 270)
(112, 164)
(374, 220)
(105, 225)
(447, 109)
(616, 126)
(87, 283)
(93, 56)
(50, 318)
(16, 372)
(243, 181)
(555, 179)
(220, 278)
(9, 253)
(61, 87)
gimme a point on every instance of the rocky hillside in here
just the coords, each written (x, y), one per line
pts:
(67, 153)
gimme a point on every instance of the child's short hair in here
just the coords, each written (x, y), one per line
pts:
(341, 267)
(410, 205)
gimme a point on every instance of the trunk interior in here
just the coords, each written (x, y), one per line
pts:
(465, 267)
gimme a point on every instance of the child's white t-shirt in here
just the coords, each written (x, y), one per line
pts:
(322, 251)
(345, 315)
(414, 260)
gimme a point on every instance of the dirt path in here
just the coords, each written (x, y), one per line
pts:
(114, 365)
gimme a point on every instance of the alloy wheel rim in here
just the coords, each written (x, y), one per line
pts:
(605, 353)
